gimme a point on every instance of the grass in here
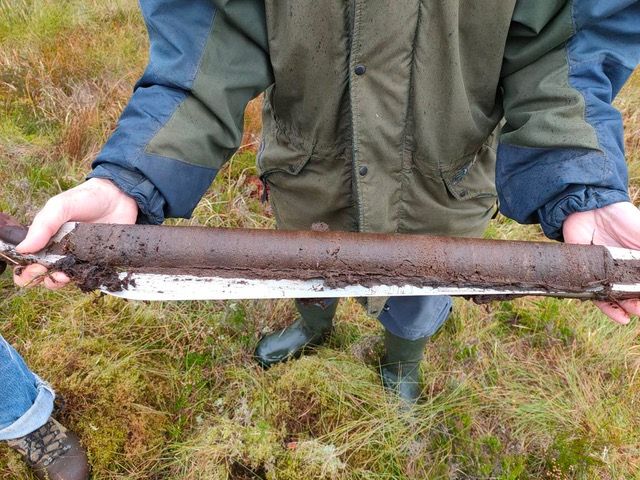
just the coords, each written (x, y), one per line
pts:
(529, 389)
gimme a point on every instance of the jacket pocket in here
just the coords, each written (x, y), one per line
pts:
(279, 157)
(281, 150)
(278, 162)
(475, 179)
(291, 166)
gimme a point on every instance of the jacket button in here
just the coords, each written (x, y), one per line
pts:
(360, 69)
(363, 171)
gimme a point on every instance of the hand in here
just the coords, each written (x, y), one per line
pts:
(95, 201)
(617, 225)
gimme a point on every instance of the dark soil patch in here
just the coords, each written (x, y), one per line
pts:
(89, 277)
(238, 471)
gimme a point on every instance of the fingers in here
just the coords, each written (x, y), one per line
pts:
(29, 276)
(621, 311)
(56, 281)
(45, 225)
(36, 274)
(616, 225)
(631, 306)
(615, 312)
(96, 200)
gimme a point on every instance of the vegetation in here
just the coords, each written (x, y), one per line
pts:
(529, 389)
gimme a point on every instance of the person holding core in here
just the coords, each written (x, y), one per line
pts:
(405, 116)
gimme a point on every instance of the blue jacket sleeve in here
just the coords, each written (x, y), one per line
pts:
(208, 58)
(562, 148)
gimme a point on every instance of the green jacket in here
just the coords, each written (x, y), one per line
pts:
(382, 116)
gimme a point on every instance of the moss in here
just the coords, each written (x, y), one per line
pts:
(228, 450)
(310, 459)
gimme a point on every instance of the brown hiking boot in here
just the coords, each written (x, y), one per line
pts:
(53, 452)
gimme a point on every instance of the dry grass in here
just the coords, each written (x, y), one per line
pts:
(527, 389)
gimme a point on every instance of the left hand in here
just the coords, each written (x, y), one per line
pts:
(616, 225)
(97, 200)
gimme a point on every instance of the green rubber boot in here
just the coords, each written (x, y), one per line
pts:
(400, 366)
(310, 330)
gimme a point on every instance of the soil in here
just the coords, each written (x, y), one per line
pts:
(10, 229)
(344, 258)
(96, 253)
(10, 232)
(89, 277)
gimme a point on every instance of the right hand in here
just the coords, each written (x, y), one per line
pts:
(95, 201)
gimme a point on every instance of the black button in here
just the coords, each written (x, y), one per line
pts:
(363, 171)
(360, 69)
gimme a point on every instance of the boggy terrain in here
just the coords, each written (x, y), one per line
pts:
(532, 388)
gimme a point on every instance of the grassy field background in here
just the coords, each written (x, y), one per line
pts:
(530, 389)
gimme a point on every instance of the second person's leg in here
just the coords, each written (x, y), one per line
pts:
(26, 403)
